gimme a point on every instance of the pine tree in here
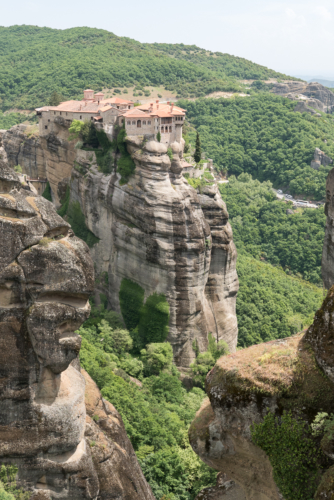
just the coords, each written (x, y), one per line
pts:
(198, 150)
(55, 99)
(158, 136)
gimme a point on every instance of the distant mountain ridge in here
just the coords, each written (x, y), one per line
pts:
(36, 61)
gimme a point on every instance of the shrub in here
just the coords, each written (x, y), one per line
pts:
(47, 192)
(292, 453)
(157, 357)
(170, 153)
(159, 136)
(77, 220)
(64, 203)
(201, 366)
(131, 299)
(154, 319)
(18, 169)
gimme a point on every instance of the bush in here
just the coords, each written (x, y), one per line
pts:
(293, 454)
(202, 365)
(131, 299)
(77, 220)
(154, 319)
(47, 191)
(157, 357)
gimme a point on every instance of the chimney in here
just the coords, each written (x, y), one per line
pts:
(157, 101)
(172, 107)
(151, 107)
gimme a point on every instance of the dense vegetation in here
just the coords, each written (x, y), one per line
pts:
(293, 454)
(157, 415)
(263, 136)
(8, 120)
(270, 304)
(8, 489)
(34, 62)
(262, 227)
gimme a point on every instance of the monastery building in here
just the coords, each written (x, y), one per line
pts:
(105, 113)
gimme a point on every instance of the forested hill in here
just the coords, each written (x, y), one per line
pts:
(36, 61)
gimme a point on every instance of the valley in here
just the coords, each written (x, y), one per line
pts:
(200, 281)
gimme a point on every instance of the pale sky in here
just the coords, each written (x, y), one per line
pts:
(295, 37)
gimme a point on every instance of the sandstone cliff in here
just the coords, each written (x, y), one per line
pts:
(155, 230)
(50, 157)
(46, 277)
(158, 232)
(293, 375)
(327, 264)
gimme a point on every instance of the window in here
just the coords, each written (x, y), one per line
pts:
(66, 114)
(49, 121)
(170, 129)
(138, 123)
(46, 126)
(128, 122)
(121, 121)
(144, 122)
(80, 117)
(129, 107)
(117, 107)
(54, 112)
(60, 113)
(149, 123)
(133, 123)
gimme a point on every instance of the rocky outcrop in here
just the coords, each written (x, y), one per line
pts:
(46, 277)
(311, 95)
(276, 376)
(50, 156)
(327, 264)
(157, 231)
(320, 158)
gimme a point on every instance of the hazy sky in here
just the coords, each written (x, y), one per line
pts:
(295, 37)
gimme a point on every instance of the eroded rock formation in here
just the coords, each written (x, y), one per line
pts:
(157, 231)
(46, 277)
(293, 375)
(327, 264)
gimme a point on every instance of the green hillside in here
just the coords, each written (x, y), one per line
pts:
(36, 61)
(263, 136)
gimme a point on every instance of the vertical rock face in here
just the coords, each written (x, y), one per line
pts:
(157, 231)
(327, 264)
(50, 156)
(46, 277)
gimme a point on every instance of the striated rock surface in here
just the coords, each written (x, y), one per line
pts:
(327, 264)
(157, 231)
(50, 156)
(46, 277)
(277, 376)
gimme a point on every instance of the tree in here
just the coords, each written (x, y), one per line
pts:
(158, 136)
(157, 357)
(198, 150)
(55, 99)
